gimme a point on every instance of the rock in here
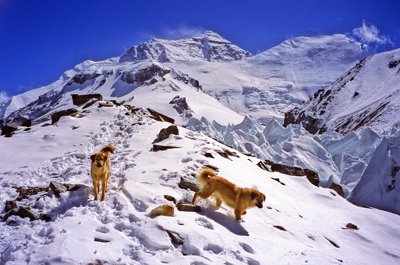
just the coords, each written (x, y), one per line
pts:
(8, 130)
(264, 166)
(55, 117)
(351, 226)
(57, 188)
(160, 117)
(182, 107)
(170, 198)
(337, 188)
(280, 227)
(25, 192)
(79, 100)
(10, 205)
(188, 185)
(175, 237)
(101, 240)
(157, 147)
(295, 171)
(165, 210)
(166, 132)
(21, 212)
(209, 155)
(188, 207)
(279, 181)
(72, 187)
(45, 217)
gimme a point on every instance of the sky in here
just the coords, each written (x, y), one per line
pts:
(39, 40)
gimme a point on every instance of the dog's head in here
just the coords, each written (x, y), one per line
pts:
(258, 198)
(98, 159)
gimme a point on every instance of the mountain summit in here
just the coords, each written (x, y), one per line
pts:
(208, 46)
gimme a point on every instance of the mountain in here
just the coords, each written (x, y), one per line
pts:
(209, 46)
(265, 85)
(299, 223)
(270, 83)
(366, 96)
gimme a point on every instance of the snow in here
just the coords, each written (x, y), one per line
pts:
(233, 100)
(367, 95)
(312, 217)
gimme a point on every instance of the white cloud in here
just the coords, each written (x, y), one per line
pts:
(3, 96)
(369, 34)
(181, 31)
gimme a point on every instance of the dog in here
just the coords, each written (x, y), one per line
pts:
(100, 170)
(225, 191)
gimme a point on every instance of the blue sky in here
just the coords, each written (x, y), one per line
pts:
(41, 39)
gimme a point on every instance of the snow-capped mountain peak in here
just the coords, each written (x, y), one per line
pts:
(208, 46)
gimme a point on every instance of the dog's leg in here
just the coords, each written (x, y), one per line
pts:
(238, 214)
(103, 188)
(218, 202)
(202, 194)
(95, 189)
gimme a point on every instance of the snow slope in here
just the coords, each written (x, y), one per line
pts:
(367, 95)
(270, 83)
(299, 223)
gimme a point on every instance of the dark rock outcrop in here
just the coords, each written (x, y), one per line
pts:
(55, 117)
(160, 117)
(79, 100)
(8, 130)
(166, 132)
(158, 147)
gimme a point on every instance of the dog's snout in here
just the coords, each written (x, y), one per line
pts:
(259, 205)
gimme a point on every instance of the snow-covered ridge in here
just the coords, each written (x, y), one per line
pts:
(209, 46)
(299, 222)
(367, 95)
(273, 82)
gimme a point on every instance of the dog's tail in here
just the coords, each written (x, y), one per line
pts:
(204, 175)
(108, 148)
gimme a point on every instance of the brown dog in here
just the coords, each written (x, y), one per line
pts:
(100, 170)
(224, 191)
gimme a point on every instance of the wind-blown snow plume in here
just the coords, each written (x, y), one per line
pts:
(3, 96)
(369, 34)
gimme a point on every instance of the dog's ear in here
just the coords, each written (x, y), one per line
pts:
(253, 195)
(92, 157)
(263, 195)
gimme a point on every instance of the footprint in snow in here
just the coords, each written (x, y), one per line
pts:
(102, 229)
(213, 248)
(247, 248)
(204, 223)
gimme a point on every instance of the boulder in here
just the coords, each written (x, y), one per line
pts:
(21, 212)
(165, 210)
(79, 100)
(188, 207)
(55, 117)
(8, 130)
(166, 132)
(187, 184)
(57, 188)
(175, 237)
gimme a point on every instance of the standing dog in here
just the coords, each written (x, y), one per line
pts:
(100, 170)
(222, 190)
